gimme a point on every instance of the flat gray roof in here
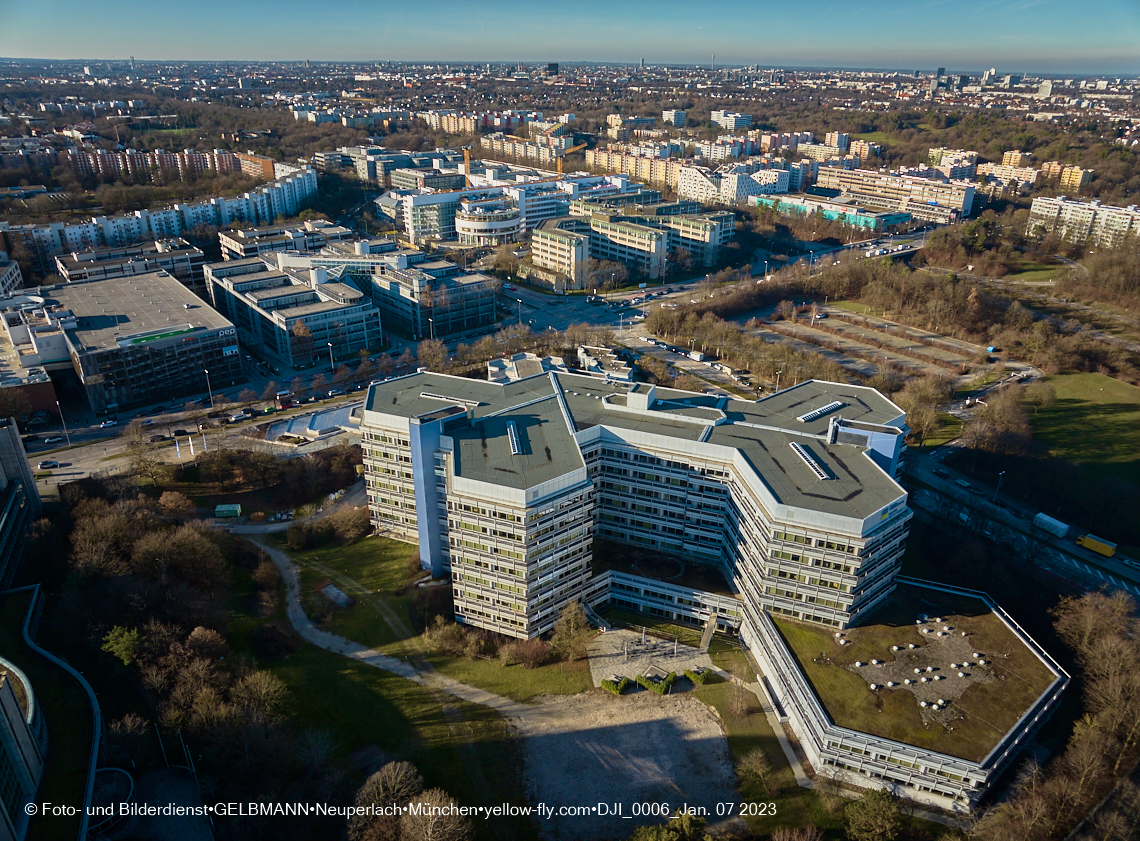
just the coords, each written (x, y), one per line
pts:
(117, 307)
(762, 432)
(547, 448)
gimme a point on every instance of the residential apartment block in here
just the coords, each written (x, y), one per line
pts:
(11, 278)
(285, 196)
(923, 198)
(1077, 221)
(1074, 178)
(675, 116)
(730, 120)
(1017, 158)
(1007, 175)
(729, 185)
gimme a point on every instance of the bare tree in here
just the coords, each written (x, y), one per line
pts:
(434, 819)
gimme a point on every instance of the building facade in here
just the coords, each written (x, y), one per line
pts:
(923, 198)
(1077, 221)
(795, 502)
(176, 257)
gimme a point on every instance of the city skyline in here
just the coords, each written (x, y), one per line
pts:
(1016, 35)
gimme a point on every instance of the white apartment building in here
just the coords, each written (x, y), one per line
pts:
(730, 120)
(1077, 221)
(10, 277)
(676, 117)
(729, 185)
(923, 198)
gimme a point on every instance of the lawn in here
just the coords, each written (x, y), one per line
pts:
(374, 572)
(982, 714)
(69, 719)
(851, 306)
(1095, 422)
(879, 137)
(949, 428)
(1031, 270)
(463, 748)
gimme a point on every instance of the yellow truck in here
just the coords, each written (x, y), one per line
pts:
(1096, 544)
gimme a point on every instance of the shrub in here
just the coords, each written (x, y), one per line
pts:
(660, 687)
(616, 687)
(446, 637)
(698, 677)
(535, 653)
(754, 769)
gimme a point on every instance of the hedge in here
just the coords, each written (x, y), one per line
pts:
(660, 688)
(616, 687)
(698, 677)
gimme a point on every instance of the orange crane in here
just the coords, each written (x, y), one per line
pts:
(467, 167)
(567, 152)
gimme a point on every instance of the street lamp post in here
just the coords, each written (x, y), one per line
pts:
(1001, 476)
(209, 388)
(431, 324)
(520, 309)
(332, 362)
(778, 380)
(64, 422)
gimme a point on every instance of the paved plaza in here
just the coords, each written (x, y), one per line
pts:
(628, 654)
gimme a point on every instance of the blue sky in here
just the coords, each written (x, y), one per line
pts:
(1101, 36)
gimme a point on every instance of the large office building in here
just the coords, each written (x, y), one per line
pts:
(642, 237)
(174, 256)
(19, 500)
(785, 510)
(302, 237)
(293, 314)
(924, 198)
(845, 210)
(11, 278)
(1077, 221)
(130, 340)
(23, 749)
(793, 499)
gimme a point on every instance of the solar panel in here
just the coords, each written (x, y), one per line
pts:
(513, 437)
(812, 464)
(820, 412)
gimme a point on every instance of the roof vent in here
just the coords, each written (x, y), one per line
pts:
(513, 437)
(812, 464)
(820, 412)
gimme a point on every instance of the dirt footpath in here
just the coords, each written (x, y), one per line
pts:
(612, 755)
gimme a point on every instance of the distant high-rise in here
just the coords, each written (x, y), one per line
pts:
(643, 64)
(552, 69)
(941, 72)
(132, 62)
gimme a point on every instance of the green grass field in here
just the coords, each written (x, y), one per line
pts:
(1032, 270)
(876, 137)
(1095, 422)
(949, 428)
(851, 306)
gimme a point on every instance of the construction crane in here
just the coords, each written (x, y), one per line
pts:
(567, 152)
(467, 167)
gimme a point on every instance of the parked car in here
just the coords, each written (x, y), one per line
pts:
(47, 465)
(146, 422)
(154, 439)
(336, 392)
(181, 432)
